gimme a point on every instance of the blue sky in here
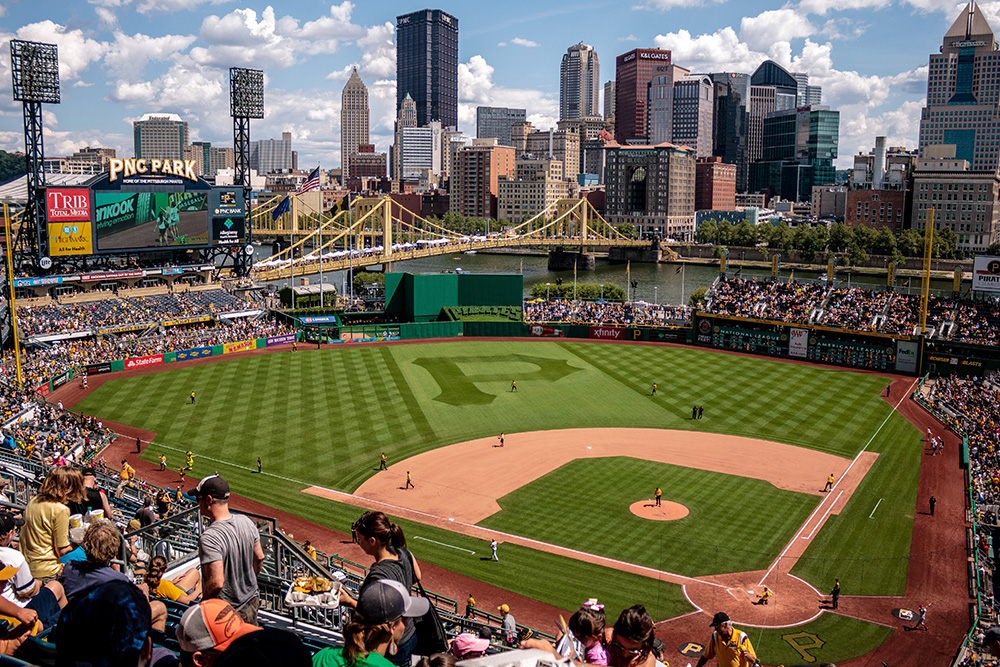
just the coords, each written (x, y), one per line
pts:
(123, 58)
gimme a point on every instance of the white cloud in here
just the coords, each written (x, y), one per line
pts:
(501, 43)
(107, 17)
(128, 54)
(670, 4)
(628, 38)
(775, 25)
(721, 51)
(378, 58)
(823, 6)
(167, 6)
(477, 88)
(524, 42)
(239, 38)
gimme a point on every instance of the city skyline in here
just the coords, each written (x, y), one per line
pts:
(122, 59)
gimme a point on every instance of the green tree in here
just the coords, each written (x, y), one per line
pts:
(856, 255)
(726, 230)
(945, 242)
(362, 278)
(864, 236)
(708, 232)
(807, 241)
(911, 243)
(586, 291)
(884, 242)
(994, 249)
(697, 298)
(780, 237)
(840, 237)
(744, 235)
(628, 230)
(12, 166)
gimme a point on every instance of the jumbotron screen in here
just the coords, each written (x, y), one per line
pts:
(150, 220)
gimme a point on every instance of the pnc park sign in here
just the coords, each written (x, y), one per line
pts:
(126, 168)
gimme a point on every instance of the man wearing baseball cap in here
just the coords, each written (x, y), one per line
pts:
(207, 629)
(229, 550)
(376, 627)
(731, 647)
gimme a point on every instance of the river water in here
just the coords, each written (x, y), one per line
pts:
(657, 282)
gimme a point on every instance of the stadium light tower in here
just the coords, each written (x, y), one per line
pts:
(35, 76)
(246, 95)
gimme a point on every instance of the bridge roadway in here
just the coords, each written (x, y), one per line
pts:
(366, 259)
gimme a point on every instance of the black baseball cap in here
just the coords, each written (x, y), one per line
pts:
(9, 522)
(385, 600)
(720, 618)
(88, 471)
(213, 486)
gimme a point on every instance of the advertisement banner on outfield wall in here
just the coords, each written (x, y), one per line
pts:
(540, 330)
(668, 335)
(194, 353)
(95, 369)
(44, 390)
(280, 340)
(240, 346)
(142, 362)
(60, 380)
(798, 343)
(986, 274)
(906, 356)
(615, 333)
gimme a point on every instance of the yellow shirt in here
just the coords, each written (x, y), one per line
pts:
(46, 528)
(169, 590)
(127, 472)
(730, 654)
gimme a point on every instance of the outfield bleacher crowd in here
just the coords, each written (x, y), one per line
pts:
(576, 311)
(58, 318)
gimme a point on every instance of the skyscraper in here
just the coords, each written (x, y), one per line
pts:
(609, 101)
(732, 94)
(427, 65)
(271, 155)
(694, 99)
(579, 82)
(495, 123)
(353, 121)
(963, 90)
(160, 136)
(406, 117)
(633, 72)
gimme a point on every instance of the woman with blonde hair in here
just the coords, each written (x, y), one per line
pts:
(45, 534)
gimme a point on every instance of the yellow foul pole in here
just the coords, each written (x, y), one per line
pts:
(925, 287)
(13, 303)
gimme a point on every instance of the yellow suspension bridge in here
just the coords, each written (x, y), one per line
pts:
(380, 231)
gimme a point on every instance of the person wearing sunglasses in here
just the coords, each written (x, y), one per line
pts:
(729, 646)
(629, 643)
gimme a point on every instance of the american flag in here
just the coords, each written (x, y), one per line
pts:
(311, 183)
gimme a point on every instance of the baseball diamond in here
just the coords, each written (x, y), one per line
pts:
(584, 442)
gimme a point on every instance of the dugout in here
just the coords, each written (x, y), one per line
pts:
(411, 297)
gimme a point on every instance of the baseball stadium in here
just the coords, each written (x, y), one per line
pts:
(810, 461)
(775, 472)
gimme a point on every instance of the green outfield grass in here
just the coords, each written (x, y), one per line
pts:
(587, 508)
(323, 417)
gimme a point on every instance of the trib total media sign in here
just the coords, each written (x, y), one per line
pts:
(67, 204)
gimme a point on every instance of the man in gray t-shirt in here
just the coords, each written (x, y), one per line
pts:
(229, 549)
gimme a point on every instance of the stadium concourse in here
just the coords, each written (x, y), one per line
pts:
(49, 435)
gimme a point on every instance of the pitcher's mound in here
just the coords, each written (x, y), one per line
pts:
(667, 511)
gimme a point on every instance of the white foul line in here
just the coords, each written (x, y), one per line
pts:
(426, 539)
(876, 507)
(818, 507)
(823, 518)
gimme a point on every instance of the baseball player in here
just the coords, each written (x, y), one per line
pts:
(829, 483)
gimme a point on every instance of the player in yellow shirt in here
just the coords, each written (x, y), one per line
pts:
(310, 549)
(163, 462)
(729, 646)
(829, 482)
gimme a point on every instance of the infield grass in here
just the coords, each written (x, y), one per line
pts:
(323, 417)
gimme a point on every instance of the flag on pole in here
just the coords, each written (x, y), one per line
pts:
(311, 183)
(280, 209)
(628, 265)
(679, 269)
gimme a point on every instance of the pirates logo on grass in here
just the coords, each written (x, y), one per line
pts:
(458, 377)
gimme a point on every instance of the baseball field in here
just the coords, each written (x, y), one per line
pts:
(585, 444)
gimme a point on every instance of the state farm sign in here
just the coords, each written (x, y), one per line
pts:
(67, 205)
(140, 362)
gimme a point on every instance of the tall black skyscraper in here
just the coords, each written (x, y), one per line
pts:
(427, 65)
(729, 141)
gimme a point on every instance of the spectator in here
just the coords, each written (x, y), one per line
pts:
(107, 625)
(95, 498)
(45, 536)
(185, 589)
(466, 646)
(381, 609)
(266, 648)
(630, 642)
(508, 626)
(229, 550)
(145, 514)
(384, 541)
(207, 629)
(29, 598)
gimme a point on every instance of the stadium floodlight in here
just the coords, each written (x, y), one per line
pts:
(246, 87)
(34, 71)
